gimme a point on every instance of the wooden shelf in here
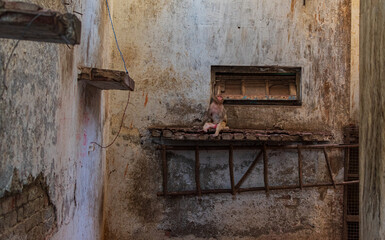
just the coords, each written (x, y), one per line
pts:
(27, 21)
(106, 79)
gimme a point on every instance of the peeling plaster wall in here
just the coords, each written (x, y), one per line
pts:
(48, 120)
(169, 47)
(372, 120)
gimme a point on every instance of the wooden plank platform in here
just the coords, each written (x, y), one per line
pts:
(25, 21)
(106, 79)
(197, 134)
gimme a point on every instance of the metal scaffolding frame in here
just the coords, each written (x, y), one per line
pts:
(236, 188)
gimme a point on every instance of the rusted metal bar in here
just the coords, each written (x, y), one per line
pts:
(165, 170)
(317, 146)
(231, 169)
(265, 169)
(197, 177)
(244, 177)
(300, 167)
(329, 167)
(256, 189)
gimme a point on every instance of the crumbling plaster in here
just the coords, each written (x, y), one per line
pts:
(48, 121)
(169, 47)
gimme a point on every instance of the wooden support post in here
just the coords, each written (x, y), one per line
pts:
(300, 167)
(244, 177)
(329, 167)
(265, 169)
(197, 172)
(231, 168)
(165, 170)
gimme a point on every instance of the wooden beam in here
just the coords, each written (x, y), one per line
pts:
(25, 21)
(106, 79)
(244, 177)
(329, 167)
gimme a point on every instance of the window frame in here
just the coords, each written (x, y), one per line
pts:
(215, 69)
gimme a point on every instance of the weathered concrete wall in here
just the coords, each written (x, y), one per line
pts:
(48, 120)
(372, 125)
(169, 47)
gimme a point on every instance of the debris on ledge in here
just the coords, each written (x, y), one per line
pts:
(197, 134)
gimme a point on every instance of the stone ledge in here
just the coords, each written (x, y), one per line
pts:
(197, 134)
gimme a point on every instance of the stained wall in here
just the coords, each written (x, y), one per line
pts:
(169, 48)
(47, 123)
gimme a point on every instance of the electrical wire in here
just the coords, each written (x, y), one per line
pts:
(120, 128)
(116, 39)
(128, 100)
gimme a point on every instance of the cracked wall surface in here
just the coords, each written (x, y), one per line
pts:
(169, 47)
(48, 120)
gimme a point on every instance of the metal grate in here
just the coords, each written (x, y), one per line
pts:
(353, 199)
(351, 192)
(353, 230)
(353, 161)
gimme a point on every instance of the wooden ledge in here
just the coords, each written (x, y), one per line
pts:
(27, 21)
(196, 134)
(106, 79)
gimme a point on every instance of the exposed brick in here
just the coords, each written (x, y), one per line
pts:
(11, 219)
(167, 133)
(263, 137)
(239, 136)
(276, 138)
(32, 221)
(33, 193)
(191, 136)
(203, 137)
(36, 233)
(20, 214)
(2, 224)
(19, 231)
(49, 224)
(8, 204)
(21, 199)
(156, 133)
(29, 213)
(227, 136)
(47, 213)
(6, 235)
(31, 207)
(251, 136)
(178, 136)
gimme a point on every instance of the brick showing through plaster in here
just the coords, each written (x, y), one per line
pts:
(28, 214)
